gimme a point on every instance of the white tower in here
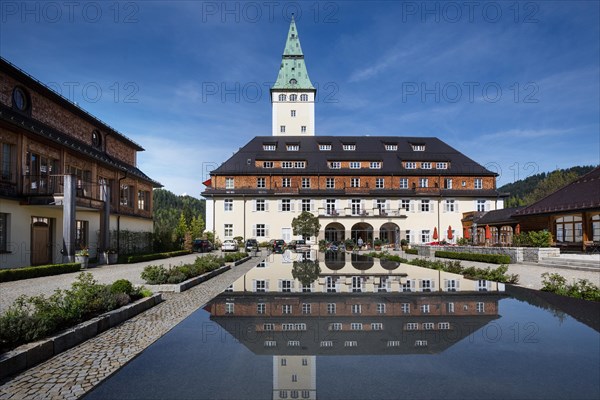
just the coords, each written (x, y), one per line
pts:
(293, 95)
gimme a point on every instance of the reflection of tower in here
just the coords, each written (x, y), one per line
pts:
(294, 377)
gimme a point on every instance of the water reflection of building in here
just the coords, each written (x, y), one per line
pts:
(294, 323)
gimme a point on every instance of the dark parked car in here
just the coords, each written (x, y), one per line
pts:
(278, 246)
(299, 245)
(251, 245)
(202, 246)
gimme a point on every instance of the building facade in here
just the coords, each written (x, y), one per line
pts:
(46, 140)
(373, 187)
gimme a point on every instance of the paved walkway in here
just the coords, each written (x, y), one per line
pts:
(71, 374)
(530, 275)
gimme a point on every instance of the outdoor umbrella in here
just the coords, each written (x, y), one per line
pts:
(518, 229)
(488, 233)
(467, 233)
(435, 234)
(450, 235)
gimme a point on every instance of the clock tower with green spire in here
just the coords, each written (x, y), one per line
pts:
(293, 95)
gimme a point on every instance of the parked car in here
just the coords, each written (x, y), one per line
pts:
(278, 246)
(299, 245)
(202, 246)
(251, 245)
(229, 245)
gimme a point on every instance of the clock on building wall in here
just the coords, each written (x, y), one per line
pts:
(96, 139)
(20, 99)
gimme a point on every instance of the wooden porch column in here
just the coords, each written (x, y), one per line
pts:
(68, 249)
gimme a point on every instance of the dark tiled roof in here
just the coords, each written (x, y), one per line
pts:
(582, 194)
(498, 216)
(368, 148)
(29, 81)
(49, 133)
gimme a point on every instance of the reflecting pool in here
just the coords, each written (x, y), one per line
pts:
(349, 327)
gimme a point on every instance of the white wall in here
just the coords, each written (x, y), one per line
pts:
(305, 115)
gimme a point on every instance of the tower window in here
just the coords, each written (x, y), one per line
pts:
(293, 82)
(303, 97)
(293, 97)
(282, 97)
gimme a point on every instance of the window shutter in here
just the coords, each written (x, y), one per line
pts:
(267, 230)
(266, 205)
(254, 205)
(254, 285)
(446, 284)
(431, 206)
(279, 285)
(445, 208)
(411, 206)
(293, 285)
(363, 205)
(324, 204)
(254, 230)
(279, 205)
(388, 205)
(456, 205)
(312, 205)
(292, 205)
(432, 285)
(487, 206)
(458, 284)
(374, 204)
(420, 284)
(267, 285)
(349, 203)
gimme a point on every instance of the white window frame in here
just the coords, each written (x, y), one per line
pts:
(375, 165)
(303, 129)
(269, 147)
(354, 165)
(335, 165)
(286, 182)
(261, 183)
(267, 164)
(391, 147)
(423, 182)
(426, 165)
(260, 205)
(287, 164)
(330, 183)
(292, 113)
(355, 182)
(282, 129)
(478, 183)
(381, 308)
(299, 164)
(229, 183)
(228, 205)
(403, 183)
(325, 147)
(348, 147)
(228, 230)
(305, 183)
(379, 183)
(441, 165)
(292, 147)
(425, 205)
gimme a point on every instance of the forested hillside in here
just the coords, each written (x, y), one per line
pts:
(174, 215)
(526, 191)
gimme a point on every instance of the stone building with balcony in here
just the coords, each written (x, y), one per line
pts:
(370, 187)
(46, 143)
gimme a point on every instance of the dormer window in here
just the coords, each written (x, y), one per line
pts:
(410, 165)
(20, 99)
(375, 165)
(293, 82)
(293, 97)
(267, 164)
(269, 147)
(426, 165)
(282, 97)
(349, 147)
(303, 97)
(354, 164)
(325, 147)
(292, 147)
(391, 147)
(335, 165)
(418, 147)
(441, 165)
(96, 139)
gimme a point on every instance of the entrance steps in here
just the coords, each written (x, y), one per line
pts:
(584, 264)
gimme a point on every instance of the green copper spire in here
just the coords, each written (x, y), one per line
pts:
(293, 73)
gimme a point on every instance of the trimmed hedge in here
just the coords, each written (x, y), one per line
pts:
(411, 251)
(7, 275)
(490, 258)
(233, 257)
(158, 274)
(155, 256)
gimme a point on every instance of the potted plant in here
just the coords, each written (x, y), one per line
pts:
(377, 243)
(404, 244)
(349, 243)
(82, 257)
(111, 255)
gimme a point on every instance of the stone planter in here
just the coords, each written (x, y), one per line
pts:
(111, 258)
(83, 260)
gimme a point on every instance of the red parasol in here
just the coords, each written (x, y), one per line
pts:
(450, 235)
(435, 234)
(518, 229)
(488, 232)
(467, 234)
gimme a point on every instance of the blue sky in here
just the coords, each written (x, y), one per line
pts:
(513, 85)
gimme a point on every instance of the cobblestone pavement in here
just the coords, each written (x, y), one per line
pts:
(9, 291)
(71, 374)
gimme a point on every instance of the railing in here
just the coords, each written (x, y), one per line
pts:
(349, 212)
(47, 185)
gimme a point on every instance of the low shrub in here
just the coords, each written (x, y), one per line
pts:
(155, 256)
(580, 289)
(32, 318)
(7, 275)
(412, 251)
(232, 257)
(158, 274)
(490, 258)
(121, 286)
(264, 244)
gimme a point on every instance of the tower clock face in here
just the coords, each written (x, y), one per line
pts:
(19, 99)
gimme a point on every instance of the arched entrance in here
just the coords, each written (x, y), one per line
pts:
(362, 230)
(387, 233)
(335, 232)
